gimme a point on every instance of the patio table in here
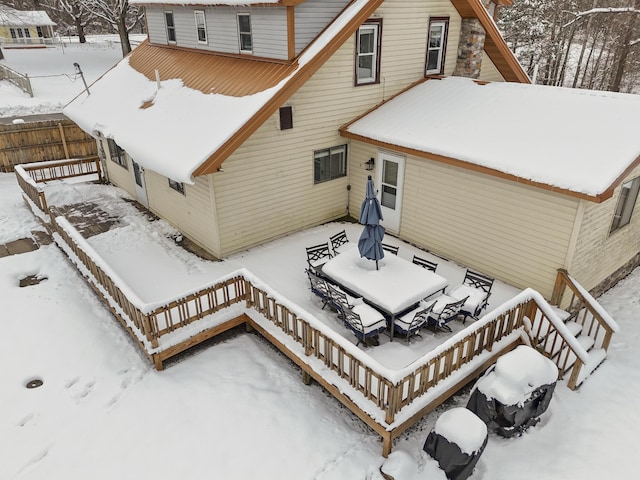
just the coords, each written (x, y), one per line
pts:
(396, 286)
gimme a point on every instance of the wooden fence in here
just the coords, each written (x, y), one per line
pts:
(43, 141)
(19, 80)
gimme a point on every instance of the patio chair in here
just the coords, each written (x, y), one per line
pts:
(443, 310)
(390, 248)
(428, 264)
(338, 240)
(363, 320)
(318, 255)
(319, 287)
(476, 287)
(410, 323)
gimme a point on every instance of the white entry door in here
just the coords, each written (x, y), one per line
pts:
(141, 190)
(390, 180)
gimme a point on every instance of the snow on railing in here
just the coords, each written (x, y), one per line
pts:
(405, 391)
(30, 174)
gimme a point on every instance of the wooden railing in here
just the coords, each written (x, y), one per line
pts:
(29, 175)
(31, 189)
(389, 391)
(21, 81)
(585, 311)
(61, 169)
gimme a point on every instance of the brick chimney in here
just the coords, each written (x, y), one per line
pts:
(470, 48)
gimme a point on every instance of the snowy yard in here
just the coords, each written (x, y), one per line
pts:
(237, 406)
(234, 408)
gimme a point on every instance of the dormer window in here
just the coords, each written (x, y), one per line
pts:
(244, 33)
(171, 27)
(201, 26)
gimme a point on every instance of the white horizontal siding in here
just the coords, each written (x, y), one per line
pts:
(516, 233)
(598, 254)
(489, 72)
(191, 213)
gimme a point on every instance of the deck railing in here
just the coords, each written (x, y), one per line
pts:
(587, 312)
(31, 189)
(389, 391)
(30, 174)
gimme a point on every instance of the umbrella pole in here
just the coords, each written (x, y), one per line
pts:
(376, 264)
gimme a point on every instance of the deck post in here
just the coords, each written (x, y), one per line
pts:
(387, 444)
(306, 377)
(575, 372)
(558, 288)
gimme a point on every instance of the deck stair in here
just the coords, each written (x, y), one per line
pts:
(580, 345)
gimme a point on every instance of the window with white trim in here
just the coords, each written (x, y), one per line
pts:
(201, 26)
(626, 202)
(171, 26)
(177, 186)
(368, 52)
(329, 163)
(116, 153)
(244, 33)
(436, 45)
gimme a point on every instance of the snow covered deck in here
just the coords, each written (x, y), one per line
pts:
(389, 386)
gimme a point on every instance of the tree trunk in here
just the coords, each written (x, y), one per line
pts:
(124, 36)
(624, 53)
(80, 30)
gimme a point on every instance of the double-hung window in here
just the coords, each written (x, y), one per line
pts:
(171, 27)
(117, 154)
(244, 33)
(368, 52)
(626, 202)
(201, 26)
(329, 163)
(436, 45)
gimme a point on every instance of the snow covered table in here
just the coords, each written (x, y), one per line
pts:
(397, 284)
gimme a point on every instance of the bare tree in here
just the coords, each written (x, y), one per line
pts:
(120, 15)
(74, 12)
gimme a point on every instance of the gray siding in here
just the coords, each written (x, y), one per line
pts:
(268, 25)
(156, 28)
(312, 16)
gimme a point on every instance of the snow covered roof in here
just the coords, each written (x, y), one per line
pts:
(12, 17)
(578, 142)
(180, 131)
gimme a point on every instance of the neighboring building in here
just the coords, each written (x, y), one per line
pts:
(227, 123)
(25, 27)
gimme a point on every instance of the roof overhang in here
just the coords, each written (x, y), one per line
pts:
(534, 160)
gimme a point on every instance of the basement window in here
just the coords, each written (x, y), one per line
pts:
(286, 117)
(177, 186)
(626, 202)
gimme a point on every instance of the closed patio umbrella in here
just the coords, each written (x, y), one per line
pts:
(370, 242)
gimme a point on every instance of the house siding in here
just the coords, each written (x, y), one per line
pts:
(118, 175)
(515, 233)
(192, 213)
(599, 254)
(266, 188)
(489, 72)
(311, 17)
(268, 28)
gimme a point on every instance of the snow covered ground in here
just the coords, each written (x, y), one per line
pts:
(237, 407)
(53, 76)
